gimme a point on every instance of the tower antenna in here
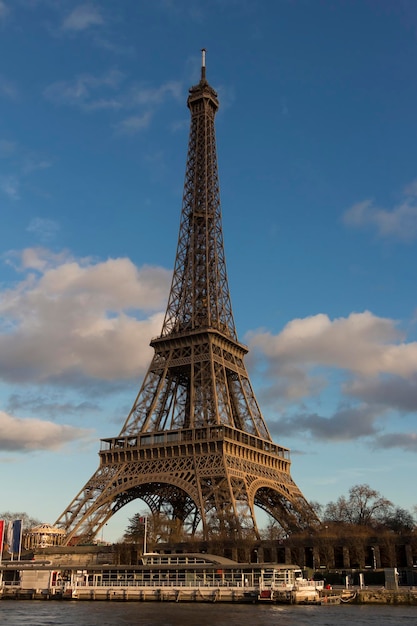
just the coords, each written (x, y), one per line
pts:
(203, 64)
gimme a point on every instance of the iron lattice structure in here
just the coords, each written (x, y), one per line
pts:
(195, 445)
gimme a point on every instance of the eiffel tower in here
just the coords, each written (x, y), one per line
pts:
(195, 446)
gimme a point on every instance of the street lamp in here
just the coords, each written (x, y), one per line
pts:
(373, 558)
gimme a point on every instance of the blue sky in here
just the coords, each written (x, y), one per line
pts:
(317, 155)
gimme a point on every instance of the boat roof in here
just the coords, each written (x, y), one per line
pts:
(152, 562)
(186, 558)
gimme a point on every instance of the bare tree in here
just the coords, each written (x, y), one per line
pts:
(317, 508)
(28, 522)
(399, 520)
(273, 531)
(364, 507)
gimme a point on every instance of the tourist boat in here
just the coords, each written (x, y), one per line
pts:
(175, 577)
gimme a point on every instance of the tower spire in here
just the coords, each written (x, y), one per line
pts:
(195, 446)
(203, 64)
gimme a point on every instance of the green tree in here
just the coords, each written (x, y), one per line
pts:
(159, 529)
(135, 532)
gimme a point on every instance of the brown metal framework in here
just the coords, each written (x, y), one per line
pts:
(195, 445)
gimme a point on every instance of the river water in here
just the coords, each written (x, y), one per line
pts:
(85, 613)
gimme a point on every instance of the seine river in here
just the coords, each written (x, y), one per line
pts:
(67, 613)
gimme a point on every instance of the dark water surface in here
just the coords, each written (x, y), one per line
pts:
(68, 613)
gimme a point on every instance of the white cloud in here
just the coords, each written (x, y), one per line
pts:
(362, 360)
(400, 222)
(39, 259)
(82, 17)
(35, 434)
(79, 318)
(361, 343)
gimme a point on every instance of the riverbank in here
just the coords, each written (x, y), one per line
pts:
(374, 596)
(405, 597)
(383, 596)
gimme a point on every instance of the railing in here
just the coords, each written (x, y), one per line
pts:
(209, 433)
(159, 584)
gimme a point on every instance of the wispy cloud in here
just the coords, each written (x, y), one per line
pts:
(89, 92)
(44, 229)
(394, 392)
(21, 163)
(50, 406)
(83, 17)
(134, 104)
(86, 91)
(400, 222)
(134, 124)
(145, 95)
(4, 10)
(90, 19)
(344, 425)
(404, 441)
(9, 185)
(7, 148)
(32, 163)
(8, 88)
(113, 47)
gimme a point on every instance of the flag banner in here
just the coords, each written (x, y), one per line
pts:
(8, 540)
(17, 536)
(1, 535)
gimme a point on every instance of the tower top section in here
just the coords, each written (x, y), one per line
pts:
(199, 299)
(202, 90)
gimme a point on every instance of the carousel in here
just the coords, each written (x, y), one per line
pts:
(44, 536)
